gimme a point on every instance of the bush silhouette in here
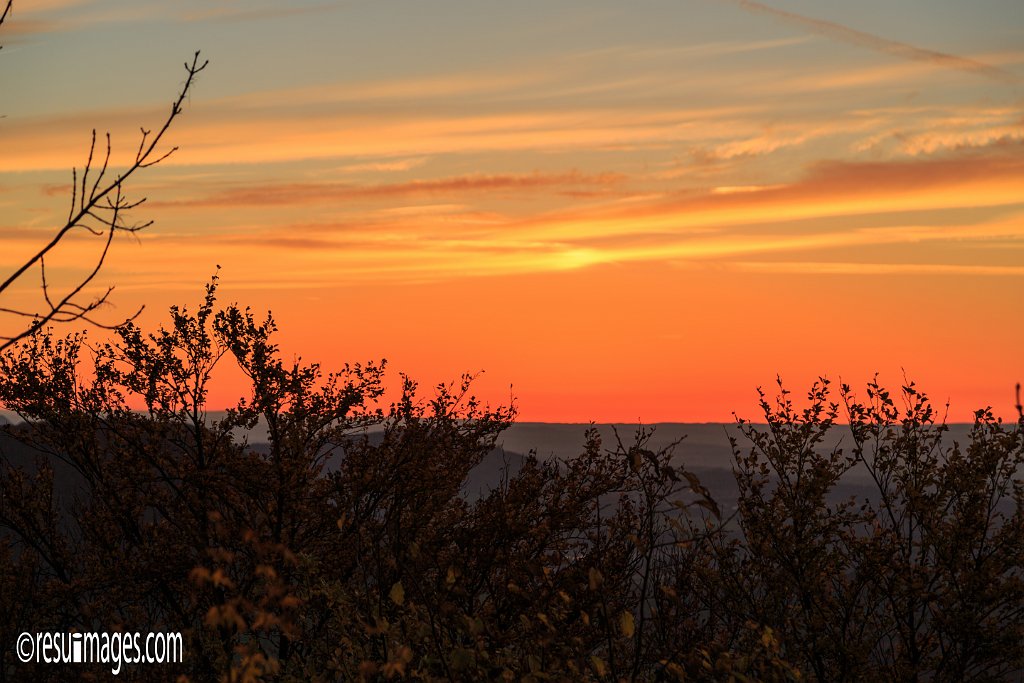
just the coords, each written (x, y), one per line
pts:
(348, 547)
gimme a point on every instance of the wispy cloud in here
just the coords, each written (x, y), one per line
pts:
(860, 38)
(852, 268)
(233, 13)
(304, 193)
(573, 104)
(216, 135)
(62, 16)
(833, 208)
(971, 177)
(389, 166)
(931, 132)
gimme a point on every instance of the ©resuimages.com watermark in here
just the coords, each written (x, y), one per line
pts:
(111, 649)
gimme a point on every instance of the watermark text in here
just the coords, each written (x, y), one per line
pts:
(112, 649)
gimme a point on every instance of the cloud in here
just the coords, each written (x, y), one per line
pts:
(738, 189)
(16, 31)
(929, 205)
(847, 268)
(1002, 161)
(391, 166)
(41, 16)
(979, 177)
(39, 6)
(234, 13)
(453, 229)
(927, 134)
(383, 126)
(62, 16)
(860, 38)
(216, 135)
(767, 143)
(35, 17)
(304, 193)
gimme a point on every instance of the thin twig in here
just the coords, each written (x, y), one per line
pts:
(104, 204)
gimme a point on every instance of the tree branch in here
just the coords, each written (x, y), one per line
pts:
(7, 10)
(99, 209)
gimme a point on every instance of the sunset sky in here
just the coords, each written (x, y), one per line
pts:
(621, 210)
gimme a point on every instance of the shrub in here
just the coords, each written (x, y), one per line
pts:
(350, 547)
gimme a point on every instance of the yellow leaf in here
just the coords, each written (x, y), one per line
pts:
(595, 578)
(598, 665)
(626, 624)
(397, 593)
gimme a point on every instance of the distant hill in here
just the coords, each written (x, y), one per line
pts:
(704, 449)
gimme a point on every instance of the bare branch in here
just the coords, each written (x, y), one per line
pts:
(6, 11)
(98, 208)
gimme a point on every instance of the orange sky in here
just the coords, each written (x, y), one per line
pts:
(624, 214)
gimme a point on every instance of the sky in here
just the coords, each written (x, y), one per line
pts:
(615, 211)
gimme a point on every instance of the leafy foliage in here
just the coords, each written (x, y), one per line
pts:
(923, 579)
(349, 548)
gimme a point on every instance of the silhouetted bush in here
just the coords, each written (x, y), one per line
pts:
(348, 547)
(921, 581)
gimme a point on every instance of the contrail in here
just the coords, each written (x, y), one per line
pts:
(848, 35)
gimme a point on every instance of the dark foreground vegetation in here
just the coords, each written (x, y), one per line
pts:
(336, 554)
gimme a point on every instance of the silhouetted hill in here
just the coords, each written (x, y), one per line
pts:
(703, 448)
